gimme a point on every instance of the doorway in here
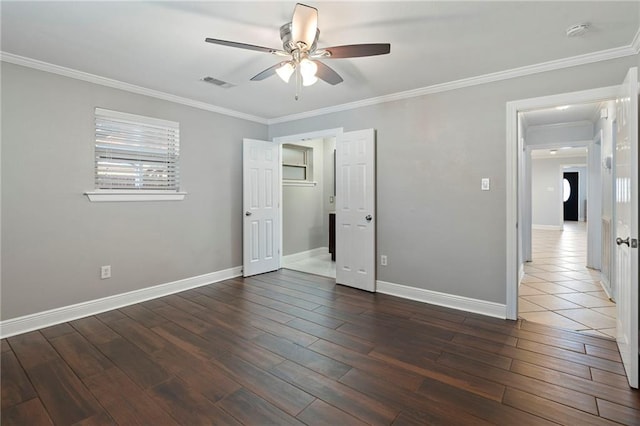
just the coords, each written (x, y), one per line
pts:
(562, 210)
(308, 201)
(518, 206)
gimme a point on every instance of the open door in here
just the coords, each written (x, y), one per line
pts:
(626, 224)
(261, 198)
(355, 210)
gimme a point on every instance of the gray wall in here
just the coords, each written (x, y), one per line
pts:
(546, 193)
(438, 229)
(54, 240)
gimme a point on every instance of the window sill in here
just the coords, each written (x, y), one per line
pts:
(133, 195)
(298, 183)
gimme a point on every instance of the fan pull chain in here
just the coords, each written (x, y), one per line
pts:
(298, 83)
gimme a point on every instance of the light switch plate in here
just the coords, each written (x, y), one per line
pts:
(485, 186)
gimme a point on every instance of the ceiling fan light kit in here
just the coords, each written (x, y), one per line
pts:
(299, 42)
(285, 71)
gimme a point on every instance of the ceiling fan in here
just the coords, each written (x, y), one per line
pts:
(299, 45)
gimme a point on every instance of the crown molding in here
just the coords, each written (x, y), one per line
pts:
(603, 55)
(635, 44)
(116, 84)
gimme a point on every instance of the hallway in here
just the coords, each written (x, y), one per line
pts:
(559, 290)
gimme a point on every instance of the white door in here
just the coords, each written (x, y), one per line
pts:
(626, 224)
(355, 210)
(261, 196)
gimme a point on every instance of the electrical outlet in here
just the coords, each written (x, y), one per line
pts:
(383, 260)
(105, 272)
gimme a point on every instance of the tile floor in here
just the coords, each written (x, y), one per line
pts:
(559, 290)
(318, 265)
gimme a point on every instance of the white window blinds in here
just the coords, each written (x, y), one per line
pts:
(136, 152)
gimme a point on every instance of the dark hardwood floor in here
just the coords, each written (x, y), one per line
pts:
(289, 348)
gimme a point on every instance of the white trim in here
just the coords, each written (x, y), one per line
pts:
(635, 44)
(133, 195)
(108, 82)
(512, 211)
(39, 320)
(295, 257)
(298, 183)
(513, 151)
(603, 55)
(606, 286)
(318, 134)
(461, 303)
(547, 227)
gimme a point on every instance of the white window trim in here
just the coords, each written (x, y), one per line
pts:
(133, 195)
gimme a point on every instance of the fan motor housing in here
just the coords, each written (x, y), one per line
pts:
(288, 45)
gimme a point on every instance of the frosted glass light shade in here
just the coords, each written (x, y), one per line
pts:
(285, 71)
(308, 71)
(309, 80)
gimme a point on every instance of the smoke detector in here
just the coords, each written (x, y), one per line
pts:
(577, 30)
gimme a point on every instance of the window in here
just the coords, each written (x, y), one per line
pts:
(296, 164)
(566, 190)
(135, 155)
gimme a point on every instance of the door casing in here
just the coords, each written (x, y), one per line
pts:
(514, 174)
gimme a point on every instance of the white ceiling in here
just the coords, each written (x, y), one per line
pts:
(160, 45)
(560, 153)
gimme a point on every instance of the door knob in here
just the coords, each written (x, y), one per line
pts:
(368, 218)
(620, 241)
(247, 213)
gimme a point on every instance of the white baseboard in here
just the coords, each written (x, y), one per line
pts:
(547, 227)
(39, 320)
(606, 286)
(461, 303)
(295, 257)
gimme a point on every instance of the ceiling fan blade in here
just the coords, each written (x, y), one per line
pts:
(304, 24)
(267, 73)
(243, 45)
(327, 74)
(358, 50)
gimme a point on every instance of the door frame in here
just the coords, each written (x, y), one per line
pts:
(514, 175)
(318, 134)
